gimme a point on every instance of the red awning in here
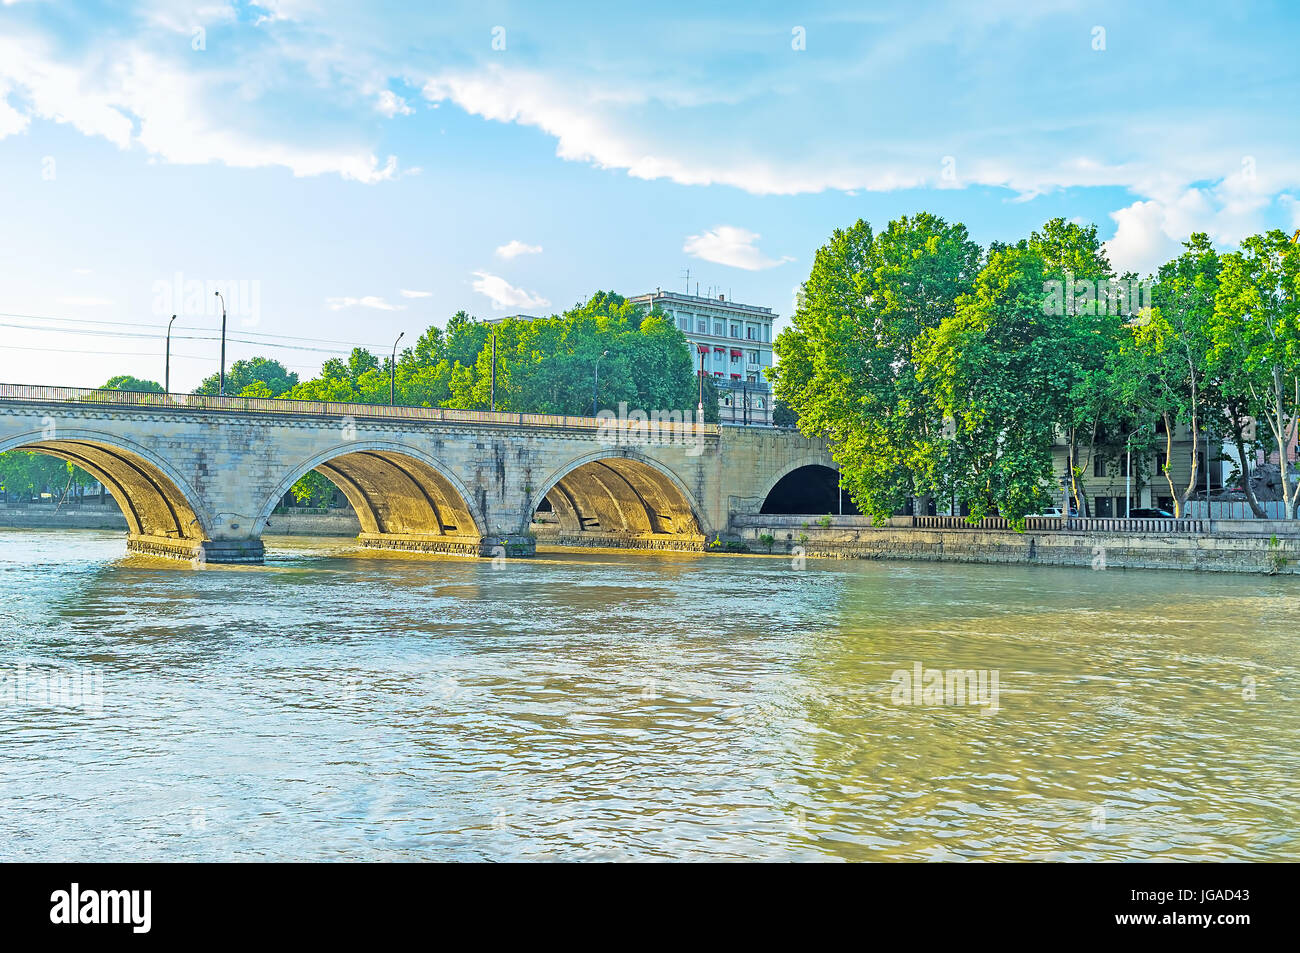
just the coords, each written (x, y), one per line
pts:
(735, 377)
(703, 348)
(720, 350)
(736, 352)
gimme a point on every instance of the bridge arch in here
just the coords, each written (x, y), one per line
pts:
(619, 494)
(398, 492)
(809, 486)
(159, 504)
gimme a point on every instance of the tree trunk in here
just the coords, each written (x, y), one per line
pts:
(1191, 480)
(1238, 438)
(1169, 453)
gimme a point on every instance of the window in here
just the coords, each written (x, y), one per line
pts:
(753, 357)
(702, 326)
(751, 333)
(1099, 465)
(735, 330)
(735, 358)
(684, 323)
(1121, 507)
(1102, 506)
(767, 334)
(718, 328)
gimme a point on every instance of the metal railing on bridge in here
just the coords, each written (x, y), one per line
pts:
(1079, 524)
(44, 394)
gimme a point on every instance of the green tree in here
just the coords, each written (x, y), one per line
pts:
(998, 371)
(242, 373)
(848, 366)
(127, 382)
(1167, 372)
(1255, 334)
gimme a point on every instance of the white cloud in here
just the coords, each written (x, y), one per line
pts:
(173, 112)
(369, 301)
(514, 248)
(390, 104)
(729, 245)
(407, 293)
(1151, 231)
(505, 295)
(1141, 242)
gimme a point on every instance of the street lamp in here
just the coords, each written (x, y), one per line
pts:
(221, 388)
(596, 385)
(167, 366)
(392, 373)
(699, 413)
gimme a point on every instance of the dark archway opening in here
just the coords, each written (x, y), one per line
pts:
(809, 491)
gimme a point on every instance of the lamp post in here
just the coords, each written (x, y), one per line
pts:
(699, 413)
(393, 371)
(167, 366)
(596, 385)
(221, 388)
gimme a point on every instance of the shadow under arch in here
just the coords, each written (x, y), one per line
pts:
(404, 499)
(616, 498)
(807, 489)
(163, 515)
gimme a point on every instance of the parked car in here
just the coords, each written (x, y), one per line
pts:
(1146, 513)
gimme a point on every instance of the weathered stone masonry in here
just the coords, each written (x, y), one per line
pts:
(201, 483)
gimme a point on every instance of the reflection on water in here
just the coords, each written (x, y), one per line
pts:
(610, 706)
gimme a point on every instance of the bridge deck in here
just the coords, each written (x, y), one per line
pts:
(44, 394)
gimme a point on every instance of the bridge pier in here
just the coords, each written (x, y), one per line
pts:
(509, 546)
(198, 550)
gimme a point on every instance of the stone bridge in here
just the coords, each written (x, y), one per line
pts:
(199, 477)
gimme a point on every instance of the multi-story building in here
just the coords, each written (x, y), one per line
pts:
(731, 343)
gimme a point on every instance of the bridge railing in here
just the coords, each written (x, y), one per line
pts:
(45, 394)
(1079, 524)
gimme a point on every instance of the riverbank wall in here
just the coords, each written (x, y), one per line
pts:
(1248, 546)
(92, 516)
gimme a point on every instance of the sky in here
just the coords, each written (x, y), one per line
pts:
(347, 172)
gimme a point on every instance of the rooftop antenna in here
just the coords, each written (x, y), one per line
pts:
(688, 280)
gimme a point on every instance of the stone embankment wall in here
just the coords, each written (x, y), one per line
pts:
(88, 516)
(1251, 546)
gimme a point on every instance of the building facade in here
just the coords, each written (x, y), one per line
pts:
(730, 343)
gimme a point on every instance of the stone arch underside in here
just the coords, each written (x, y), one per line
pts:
(160, 519)
(405, 504)
(618, 501)
(808, 490)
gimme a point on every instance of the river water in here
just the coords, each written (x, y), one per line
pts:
(334, 704)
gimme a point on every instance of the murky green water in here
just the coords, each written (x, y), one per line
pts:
(593, 706)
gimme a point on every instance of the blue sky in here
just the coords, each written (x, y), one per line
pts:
(370, 169)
